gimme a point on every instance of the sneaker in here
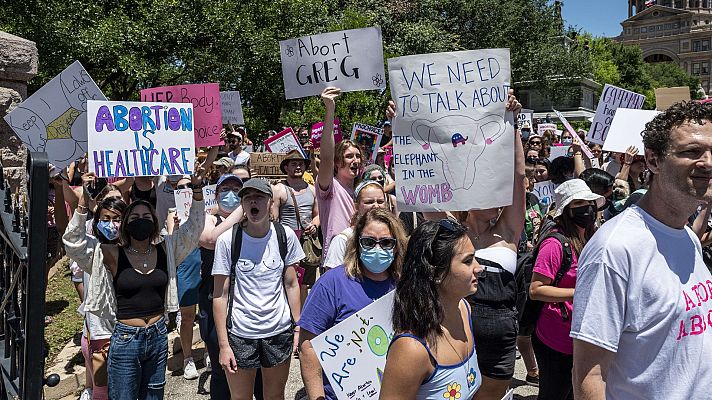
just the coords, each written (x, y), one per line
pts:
(189, 370)
(208, 367)
(86, 395)
(533, 380)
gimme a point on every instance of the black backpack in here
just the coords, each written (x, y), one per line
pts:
(529, 309)
(235, 256)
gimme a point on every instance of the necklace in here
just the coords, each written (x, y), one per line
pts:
(470, 380)
(145, 254)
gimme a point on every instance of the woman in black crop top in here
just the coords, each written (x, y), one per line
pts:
(143, 278)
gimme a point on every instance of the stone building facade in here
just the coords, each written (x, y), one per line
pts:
(18, 64)
(673, 30)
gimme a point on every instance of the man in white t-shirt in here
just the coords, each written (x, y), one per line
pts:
(265, 298)
(643, 298)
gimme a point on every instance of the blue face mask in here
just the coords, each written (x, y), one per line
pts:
(376, 259)
(567, 141)
(109, 229)
(228, 201)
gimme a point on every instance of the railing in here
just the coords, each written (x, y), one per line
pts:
(23, 254)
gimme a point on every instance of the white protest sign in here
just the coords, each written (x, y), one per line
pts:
(544, 191)
(284, 142)
(451, 130)
(509, 395)
(558, 151)
(53, 119)
(184, 199)
(231, 107)
(525, 118)
(541, 128)
(210, 198)
(351, 60)
(369, 137)
(129, 138)
(575, 135)
(352, 354)
(595, 163)
(626, 129)
(612, 98)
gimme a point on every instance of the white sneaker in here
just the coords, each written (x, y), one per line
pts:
(86, 395)
(189, 370)
(208, 367)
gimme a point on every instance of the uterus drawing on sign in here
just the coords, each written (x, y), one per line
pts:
(458, 142)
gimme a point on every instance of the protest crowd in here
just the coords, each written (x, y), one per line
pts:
(539, 243)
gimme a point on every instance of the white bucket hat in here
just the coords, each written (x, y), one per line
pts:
(574, 189)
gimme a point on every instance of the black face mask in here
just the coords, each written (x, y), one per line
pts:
(140, 229)
(583, 216)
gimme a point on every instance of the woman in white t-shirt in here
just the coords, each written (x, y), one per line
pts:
(254, 323)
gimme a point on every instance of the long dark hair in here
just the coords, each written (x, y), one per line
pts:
(417, 308)
(124, 237)
(112, 204)
(567, 227)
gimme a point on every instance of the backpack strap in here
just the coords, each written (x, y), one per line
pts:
(234, 256)
(282, 242)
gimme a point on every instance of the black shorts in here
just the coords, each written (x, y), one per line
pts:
(309, 275)
(495, 340)
(262, 353)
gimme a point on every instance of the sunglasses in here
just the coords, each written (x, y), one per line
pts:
(535, 143)
(367, 243)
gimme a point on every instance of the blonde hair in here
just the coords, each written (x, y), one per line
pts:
(352, 261)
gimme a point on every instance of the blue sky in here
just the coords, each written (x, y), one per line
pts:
(598, 17)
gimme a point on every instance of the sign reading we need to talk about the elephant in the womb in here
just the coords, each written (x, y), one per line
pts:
(453, 139)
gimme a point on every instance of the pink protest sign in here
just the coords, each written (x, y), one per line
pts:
(207, 114)
(319, 127)
(284, 142)
(574, 135)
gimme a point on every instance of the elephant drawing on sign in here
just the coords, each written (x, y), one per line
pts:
(458, 142)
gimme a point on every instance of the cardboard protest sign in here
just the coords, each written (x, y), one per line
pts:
(53, 119)
(626, 129)
(284, 142)
(140, 139)
(541, 128)
(318, 128)
(352, 354)
(575, 135)
(369, 137)
(611, 99)
(665, 97)
(544, 191)
(451, 131)
(210, 198)
(559, 151)
(206, 108)
(231, 107)
(351, 60)
(183, 199)
(267, 164)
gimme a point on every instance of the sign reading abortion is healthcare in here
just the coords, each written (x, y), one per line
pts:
(140, 139)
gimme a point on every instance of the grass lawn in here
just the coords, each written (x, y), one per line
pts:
(61, 304)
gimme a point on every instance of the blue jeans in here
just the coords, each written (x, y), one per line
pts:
(137, 361)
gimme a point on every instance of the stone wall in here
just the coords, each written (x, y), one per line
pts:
(18, 64)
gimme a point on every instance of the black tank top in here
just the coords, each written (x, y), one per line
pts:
(139, 295)
(207, 257)
(147, 195)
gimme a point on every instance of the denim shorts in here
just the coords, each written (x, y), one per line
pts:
(137, 361)
(262, 353)
(495, 333)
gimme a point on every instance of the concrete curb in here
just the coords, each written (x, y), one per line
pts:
(72, 380)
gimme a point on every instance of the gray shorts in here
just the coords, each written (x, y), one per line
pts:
(262, 353)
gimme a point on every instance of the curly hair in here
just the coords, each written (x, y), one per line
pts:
(656, 135)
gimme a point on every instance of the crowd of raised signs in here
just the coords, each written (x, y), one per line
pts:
(418, 258)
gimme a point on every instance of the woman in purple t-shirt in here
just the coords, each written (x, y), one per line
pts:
(372, 265)
(575, 219)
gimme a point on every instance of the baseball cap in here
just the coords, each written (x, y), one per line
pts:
(226, 177)
(258, 184)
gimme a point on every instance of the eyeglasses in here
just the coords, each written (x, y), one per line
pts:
(368, 242)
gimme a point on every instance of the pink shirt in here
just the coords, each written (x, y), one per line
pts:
(336, 206)
(551, 329)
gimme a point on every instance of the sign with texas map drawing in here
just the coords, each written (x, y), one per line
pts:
(54, 119)
(453, 140)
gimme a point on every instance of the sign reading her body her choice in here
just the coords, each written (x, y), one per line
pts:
(318, 128)
(140, 139)
(611, 99)
(352, 354)
(451, 131)
(350, 60)
(231, 107)
(206, 108)
(284, 142)
(369, 138)
(53, 119)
